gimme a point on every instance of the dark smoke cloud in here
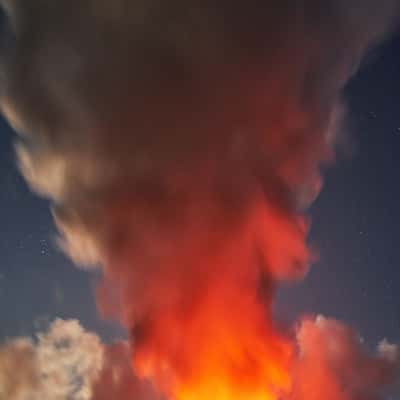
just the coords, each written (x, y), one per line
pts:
(136, 112)
(180, 142)
(156, 106)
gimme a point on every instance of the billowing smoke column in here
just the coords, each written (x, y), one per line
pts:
(180, 143)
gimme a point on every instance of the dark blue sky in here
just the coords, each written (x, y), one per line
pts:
(356, 219)
(37, 282)
(356, 222)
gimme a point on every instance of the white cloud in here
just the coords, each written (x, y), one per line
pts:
(60, 364)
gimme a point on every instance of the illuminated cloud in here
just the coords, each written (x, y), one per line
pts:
(334, 365)
(59, 364)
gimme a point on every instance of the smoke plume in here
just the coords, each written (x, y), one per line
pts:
(180, 143)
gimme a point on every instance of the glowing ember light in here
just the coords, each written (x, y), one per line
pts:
(224, 345)
(233, 361)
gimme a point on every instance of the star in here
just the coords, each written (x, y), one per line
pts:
(44, 248)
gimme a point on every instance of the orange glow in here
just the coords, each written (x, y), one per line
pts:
(234, 369)
(232, 359)
(220, 342)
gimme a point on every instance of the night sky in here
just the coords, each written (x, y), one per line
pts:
(356, 218)
(356, 222)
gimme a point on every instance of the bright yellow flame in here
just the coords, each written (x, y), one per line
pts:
(221, 358)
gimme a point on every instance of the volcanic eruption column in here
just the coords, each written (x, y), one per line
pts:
(180, 144)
